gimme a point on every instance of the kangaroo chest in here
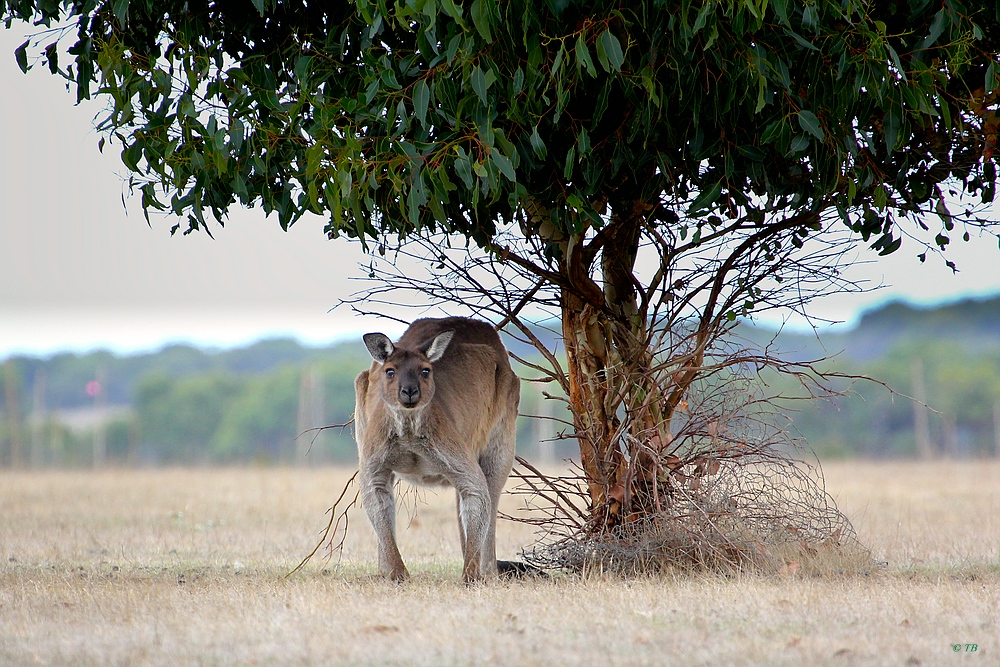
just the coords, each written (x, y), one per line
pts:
(416, 460)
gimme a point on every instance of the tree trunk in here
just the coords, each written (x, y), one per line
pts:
(921, 422)
(588, 391)
(12, 392)
(617, 405)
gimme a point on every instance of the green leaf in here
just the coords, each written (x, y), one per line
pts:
(773, 131)
(389, 78)
(583, 58)
(346, 179)
(609, 52)
(802, 40)
(313, 192)
(463, 167)
(186, 106)
(570, 161)
(453, 10)
(810, 123)
(504, 165)
(481, 19)
(888, 245)
(752, 152)
(236, 133)
(132, 155)
(706, 198)
(761, 89)
(702, 17)
(937, 27)
(602, 103)
(518, 84)
(800, 142)
(478, 81)
(438, 210)
(890, 124)
(302, 68)
(880, 197)
(781, 11)
(120, 9)
(810, 16)
(259, 4)
(269, 98)
(713, 34)
(314, 156)
(945, 111)
(557, 62)
(408, 149)
(505, 145)
(896, 61)
(537, 145)
(21, 56)
(421, 100)
(453, 45)
(991, 77)
(942, 210)
(649, 85)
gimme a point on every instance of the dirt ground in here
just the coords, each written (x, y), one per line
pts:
(187, 567)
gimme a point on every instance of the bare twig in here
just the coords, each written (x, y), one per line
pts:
(333, 527)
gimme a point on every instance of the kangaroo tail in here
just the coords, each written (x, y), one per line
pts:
(512, 569)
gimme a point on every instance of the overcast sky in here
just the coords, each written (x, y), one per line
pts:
(78, 270)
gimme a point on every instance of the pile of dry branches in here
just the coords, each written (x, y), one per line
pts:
(768, 515)
(733, 493)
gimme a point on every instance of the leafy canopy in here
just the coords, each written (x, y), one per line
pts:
(399, 118)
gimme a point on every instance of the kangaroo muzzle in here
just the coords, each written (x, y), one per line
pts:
(409, 395)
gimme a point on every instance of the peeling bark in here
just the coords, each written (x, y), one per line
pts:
(608, 355)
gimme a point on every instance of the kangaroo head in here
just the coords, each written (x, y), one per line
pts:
(407, 374)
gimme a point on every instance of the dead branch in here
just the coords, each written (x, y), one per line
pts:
(333, 527)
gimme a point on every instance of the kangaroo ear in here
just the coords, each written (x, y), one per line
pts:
(435, 349)
(379, 346)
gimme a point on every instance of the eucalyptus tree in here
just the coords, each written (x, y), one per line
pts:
(732, 148)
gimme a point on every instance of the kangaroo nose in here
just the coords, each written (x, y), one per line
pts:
(409, 395)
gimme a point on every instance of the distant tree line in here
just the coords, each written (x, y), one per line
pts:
(944, 401)
(180, 405)
(183, 406)
(220, 417)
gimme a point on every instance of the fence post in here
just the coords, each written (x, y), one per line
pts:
(921, 423)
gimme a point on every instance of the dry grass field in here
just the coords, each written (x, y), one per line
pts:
(186, 567)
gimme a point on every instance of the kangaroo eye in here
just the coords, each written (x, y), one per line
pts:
(390, 372)
(426, 372)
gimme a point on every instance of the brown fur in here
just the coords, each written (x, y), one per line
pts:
(454, 427)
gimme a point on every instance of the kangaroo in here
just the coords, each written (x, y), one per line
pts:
(438, 407)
